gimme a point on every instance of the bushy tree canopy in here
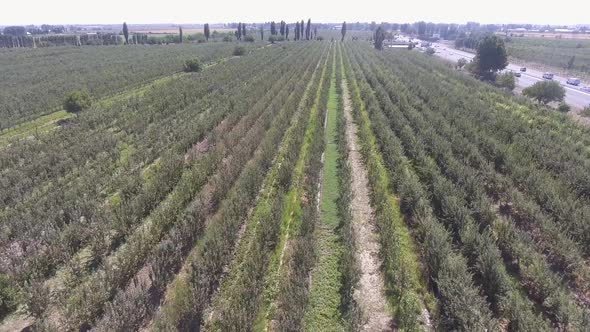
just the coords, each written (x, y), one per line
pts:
(77, 101)
(545, 91)
(491, 56)
(192, 65)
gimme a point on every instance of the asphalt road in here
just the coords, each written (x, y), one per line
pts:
(574, 96)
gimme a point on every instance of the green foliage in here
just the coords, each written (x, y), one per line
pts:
(491, 56)
(249, 38)
(343, 30)
(545, 91)
(193, 65)
(430, 51)
(8, 296)
(506, 81)
(77, 101)
(103, 71)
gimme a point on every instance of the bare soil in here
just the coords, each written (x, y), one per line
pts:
(370, 293)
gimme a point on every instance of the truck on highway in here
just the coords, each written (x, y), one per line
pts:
(573, 81)
(548, 76)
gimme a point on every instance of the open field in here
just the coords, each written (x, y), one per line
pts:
(552, 35)
(303, 186)
(34, 81)
(552, 53)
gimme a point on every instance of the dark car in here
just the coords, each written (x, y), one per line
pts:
(523, 69)
(517, 74)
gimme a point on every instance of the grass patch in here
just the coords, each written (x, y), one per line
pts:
(40, 125)
(323, 309)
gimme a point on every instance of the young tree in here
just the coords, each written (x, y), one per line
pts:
(206, 31)
(297, 31)
(491, 56)
(239, 33)
(180, 33)
(308, 29)
(125, 33)
(244, 29)
(315, 32)
(77, 101)
(287, 32)
(545, 91)
(343, 30)
(273, 28)
(379, 38)
(262, 32)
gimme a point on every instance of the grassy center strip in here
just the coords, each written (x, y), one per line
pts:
(323, 312)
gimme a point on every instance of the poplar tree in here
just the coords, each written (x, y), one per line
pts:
(287, 32)
(206, 31)
(180, 33)
(308, 29)
(343, 30)
(239, 33)
(125, 33)
(273, 28)
(262, 32)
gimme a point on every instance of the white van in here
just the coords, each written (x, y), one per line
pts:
(573, 81)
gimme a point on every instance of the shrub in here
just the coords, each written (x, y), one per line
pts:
(192, 65)
(249, 38)
(273, 39)
(77, 101)
(506, 81)
(563, 107)
(239, 51)
(461, 63)
(430, 51)
(545, 91)
(227, 38)
(586, 112)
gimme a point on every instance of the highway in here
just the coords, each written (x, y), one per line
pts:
(574, 96)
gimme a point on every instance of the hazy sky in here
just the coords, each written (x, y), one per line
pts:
(202, 11)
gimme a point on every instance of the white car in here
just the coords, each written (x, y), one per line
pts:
(548, 76)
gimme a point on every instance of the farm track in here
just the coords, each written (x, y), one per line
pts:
(371, 291)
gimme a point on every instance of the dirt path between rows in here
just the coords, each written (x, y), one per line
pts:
(370, 292)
